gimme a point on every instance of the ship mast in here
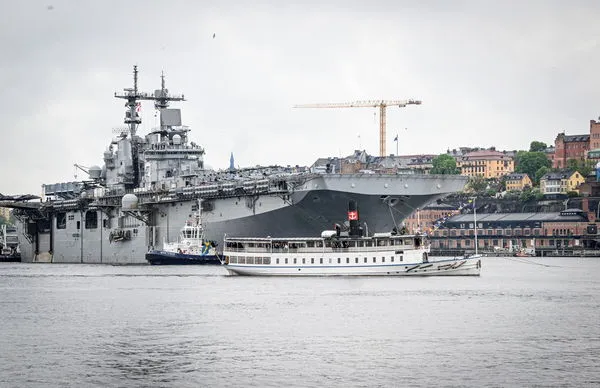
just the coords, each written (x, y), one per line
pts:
(162, 98)
(133, 96)
(132, 105)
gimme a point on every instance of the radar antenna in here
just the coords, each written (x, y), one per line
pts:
(162, 96)
(133, 105)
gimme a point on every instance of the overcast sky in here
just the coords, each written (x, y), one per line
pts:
(489, 73)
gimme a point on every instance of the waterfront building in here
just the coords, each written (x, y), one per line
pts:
(517, 181)
(561, 182)
(486, 163)
(424, 220)
(568, 229)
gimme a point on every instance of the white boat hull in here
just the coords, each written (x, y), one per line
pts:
(464, 266)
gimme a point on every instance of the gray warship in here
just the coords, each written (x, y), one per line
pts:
(148, 187)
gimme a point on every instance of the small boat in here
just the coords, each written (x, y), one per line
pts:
(191, 248)
(525, 252)
(337, 253)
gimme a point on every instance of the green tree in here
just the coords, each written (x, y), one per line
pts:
(584, 167)
(537, 146)
(540, 173)
(444, 164)
(530, 162)
(477, 184)
(527, 195)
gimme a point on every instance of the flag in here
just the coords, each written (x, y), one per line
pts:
(138, 107)
(396, 138)
(352, 215)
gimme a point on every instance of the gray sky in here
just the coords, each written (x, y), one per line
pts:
(489, 73)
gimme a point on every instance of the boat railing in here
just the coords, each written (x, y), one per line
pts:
(384, 248)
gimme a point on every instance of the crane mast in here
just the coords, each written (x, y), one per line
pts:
(381, 104)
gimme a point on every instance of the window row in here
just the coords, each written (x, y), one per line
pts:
(312, 260)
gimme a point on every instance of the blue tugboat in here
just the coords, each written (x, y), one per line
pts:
(191, 248)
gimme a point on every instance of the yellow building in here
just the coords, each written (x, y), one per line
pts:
(5, 212)
(561, 182)
(517, 181)
(486, 164)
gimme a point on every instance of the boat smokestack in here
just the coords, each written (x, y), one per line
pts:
(355, 229)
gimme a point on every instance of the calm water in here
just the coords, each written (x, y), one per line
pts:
(519, 324)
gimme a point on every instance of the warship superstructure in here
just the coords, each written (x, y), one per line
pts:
(150, 186)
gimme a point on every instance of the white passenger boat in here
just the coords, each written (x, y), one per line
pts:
(331, 254)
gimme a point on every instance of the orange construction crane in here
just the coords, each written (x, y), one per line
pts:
(382, 104)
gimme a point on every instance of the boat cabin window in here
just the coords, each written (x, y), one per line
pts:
(321, 260)
(352, 244)
(319, 244)
(417, 242)
(369, 243)
(277, 261)
(374, 260)
(61, 220)
(91, 219)
(266, 260)
(365, 259)
(310, 244)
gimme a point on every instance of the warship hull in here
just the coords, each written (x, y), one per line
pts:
(319, 203)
